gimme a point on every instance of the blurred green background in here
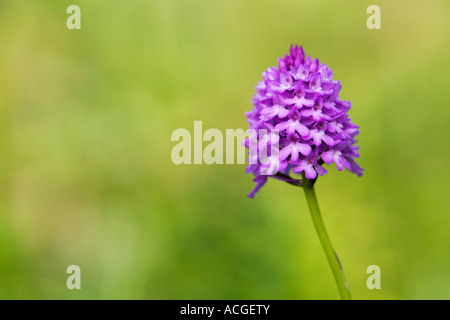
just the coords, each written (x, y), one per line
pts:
(86, 176)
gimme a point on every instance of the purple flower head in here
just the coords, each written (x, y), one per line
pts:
(301, 101)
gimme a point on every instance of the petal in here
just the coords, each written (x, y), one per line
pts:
(320, 170)
(314, 65)
(346, 163)
(356, 168)
(255, 190)
(310, 173)
(301, 129)
(327, 156)
(282, 125)
(332, 126)
(305, 149)
(285, 152)
(294, 154)
(306, 113)
(260, 181)
(301, 167)
(307, 102)
(267, 110)
(328, 140)
(291, 127)
(282, 113)
(317, 137)
(282, 165)
(338, 163)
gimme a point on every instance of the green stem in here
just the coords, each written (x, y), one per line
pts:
(333, 260)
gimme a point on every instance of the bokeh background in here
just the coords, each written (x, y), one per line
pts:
(86, 176)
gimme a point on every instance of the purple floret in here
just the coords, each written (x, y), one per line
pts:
(300, 99)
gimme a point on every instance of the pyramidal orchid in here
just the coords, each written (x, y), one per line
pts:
(299, 101)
